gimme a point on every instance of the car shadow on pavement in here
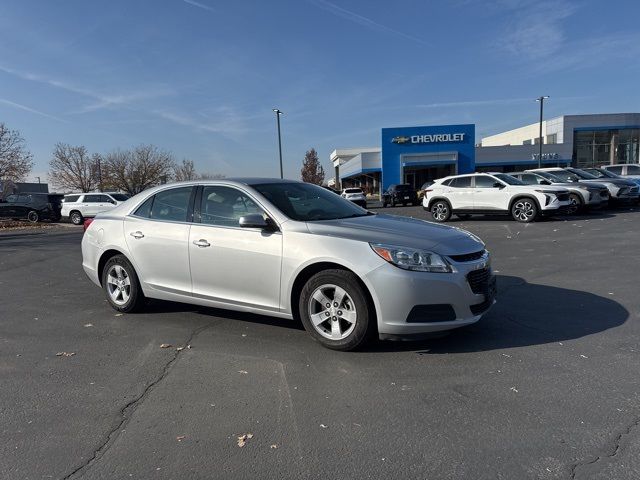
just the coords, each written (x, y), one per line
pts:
(526, 314)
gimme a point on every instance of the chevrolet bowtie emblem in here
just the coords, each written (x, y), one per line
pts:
(400, 139)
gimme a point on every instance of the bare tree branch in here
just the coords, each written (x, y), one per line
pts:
(15, 160)
(72, 168)
(184, 171)
(133, 171)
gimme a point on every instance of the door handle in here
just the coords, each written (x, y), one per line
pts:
(201, 243)
(137, 235)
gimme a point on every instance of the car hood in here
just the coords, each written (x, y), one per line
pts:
(545, 188)
(619, 182)
(401, 231)
(594, 184)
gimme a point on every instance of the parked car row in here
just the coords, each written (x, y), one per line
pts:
(526, 195)
(31, 206)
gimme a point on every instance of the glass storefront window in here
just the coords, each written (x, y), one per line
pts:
(593, 148)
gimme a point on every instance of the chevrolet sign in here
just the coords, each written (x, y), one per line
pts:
(434, 138)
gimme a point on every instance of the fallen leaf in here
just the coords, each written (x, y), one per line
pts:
(65, 354)
(165, 345)
(584, 356)
(514, 389)
(88, 325)
(274, 446)
(118, 315)
(189, 346)
(178, 349)
(322, 425)
(181, 437)
(244, 372)
(242, 439)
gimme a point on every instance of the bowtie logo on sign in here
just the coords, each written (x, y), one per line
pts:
(435, 138)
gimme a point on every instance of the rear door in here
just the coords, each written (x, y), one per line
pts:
(157, 235)
(461, 193)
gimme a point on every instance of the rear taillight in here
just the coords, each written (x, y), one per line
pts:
(87, 222)
(427, 191)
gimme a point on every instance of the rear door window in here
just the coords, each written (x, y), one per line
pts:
(616, 169)
(461, 182)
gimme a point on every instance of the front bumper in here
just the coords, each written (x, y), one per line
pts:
(555, 207)
(412, 303)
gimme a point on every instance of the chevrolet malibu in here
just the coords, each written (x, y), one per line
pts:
(292, 250)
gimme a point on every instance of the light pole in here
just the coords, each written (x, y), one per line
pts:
(541, 100)
(278, 113)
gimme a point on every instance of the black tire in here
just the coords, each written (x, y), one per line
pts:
(136, 299)
(463, 216)
(33, 216)
(355, 299)
(524, 210)
(76, 217)
(440, 211)
(575, 205)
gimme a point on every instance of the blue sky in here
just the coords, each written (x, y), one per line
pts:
(200, 77)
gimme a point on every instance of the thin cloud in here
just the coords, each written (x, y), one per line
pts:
(199, 5)
(19, 106)
(475, 103)
(361, 20)
(101, 100)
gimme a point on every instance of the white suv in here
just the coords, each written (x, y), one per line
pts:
(491, 194)
(355, 195)
(76, 207)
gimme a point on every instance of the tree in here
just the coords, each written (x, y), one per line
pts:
(15, 160)
(312, 171)
(184, 171)
(72, 168)
(133, 171)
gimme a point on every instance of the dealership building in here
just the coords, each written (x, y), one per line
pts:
(415, 155)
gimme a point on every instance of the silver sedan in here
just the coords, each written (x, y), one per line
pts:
(292, 250)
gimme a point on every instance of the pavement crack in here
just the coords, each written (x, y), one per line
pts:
(616, 447)
(127, 411)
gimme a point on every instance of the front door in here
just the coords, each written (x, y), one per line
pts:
(488, 194)
(231, 264)
(157, 235)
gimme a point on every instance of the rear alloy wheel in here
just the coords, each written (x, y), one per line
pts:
(440, 211)
(334, 310)
(76, 218)
(575, 204)
(121, 285)
(33, 216)
(524, 210)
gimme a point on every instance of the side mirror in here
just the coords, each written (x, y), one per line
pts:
(254, 220)
(498, 185)
(545, 182)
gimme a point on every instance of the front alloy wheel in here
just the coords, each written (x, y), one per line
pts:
(33, 216)
(334, 310)
(574, 204)
(524, 210)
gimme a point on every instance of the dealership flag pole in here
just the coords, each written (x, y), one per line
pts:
(541, 100)
(278, 113)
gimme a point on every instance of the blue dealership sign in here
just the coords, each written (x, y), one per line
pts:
(426, 146)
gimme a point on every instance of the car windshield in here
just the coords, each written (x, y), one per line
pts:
(120, 197)
(306, 202)
(565, 176)
(353, 190)
(599, 173)
(551, 177)
(582, 174)
(509, 179)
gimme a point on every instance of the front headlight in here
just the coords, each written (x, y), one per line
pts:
(412, 259)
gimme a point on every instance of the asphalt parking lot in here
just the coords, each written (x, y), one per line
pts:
(545, 386)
